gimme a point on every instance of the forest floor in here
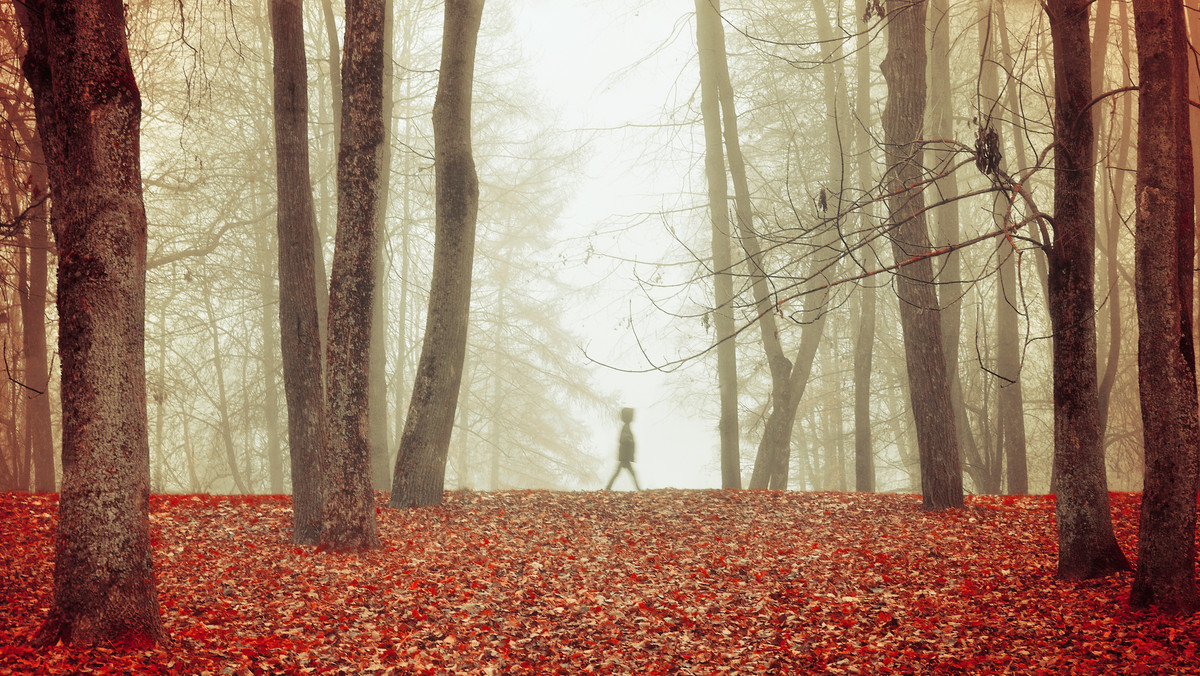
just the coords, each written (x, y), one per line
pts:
(665, 581)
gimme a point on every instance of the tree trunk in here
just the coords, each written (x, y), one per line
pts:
(348, 513)
(1010, 407)
(33, 334)
(946, 220)
(298, 323)
(225, 425)
(864, 336)
(1166, 360)
(420, 473)
(89, 114)
(1112, 229)
(381, 476)
(1087, 547)
(709, 37)
(270, 390)
(904, 70)
(776, 441)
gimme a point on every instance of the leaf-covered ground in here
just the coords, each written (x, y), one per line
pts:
(673, 582)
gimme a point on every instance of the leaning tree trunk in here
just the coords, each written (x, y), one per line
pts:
(904, 70)
(1163, 250)
(89, 113)
(348, 508)
(420, 473)
(1087, 547)
(299, 326)
(710, 42)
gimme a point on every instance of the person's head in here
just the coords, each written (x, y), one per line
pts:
(627, 415)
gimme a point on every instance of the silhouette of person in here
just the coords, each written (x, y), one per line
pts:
(625, 449)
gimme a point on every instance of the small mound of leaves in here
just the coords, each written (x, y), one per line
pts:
(658, 582)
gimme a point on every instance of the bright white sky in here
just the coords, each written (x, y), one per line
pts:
(604, 65)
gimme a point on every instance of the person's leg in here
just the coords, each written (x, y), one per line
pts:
(636, 487)
(614, 478)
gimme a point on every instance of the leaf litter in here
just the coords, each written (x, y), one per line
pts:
(657, 582)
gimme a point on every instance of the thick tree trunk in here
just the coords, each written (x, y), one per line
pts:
(1087, 547)
(89, 115)
(1166, 576)
(381, 474)
(710, 40)
(348, 513)
(904, 70)
(420, 474)
(298, 323)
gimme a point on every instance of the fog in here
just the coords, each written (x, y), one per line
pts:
(593, 284)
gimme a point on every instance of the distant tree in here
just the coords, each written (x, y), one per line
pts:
(420, 471)
(711, 42)
(1164, 249)
(1011, 412)
(929, 387)
(1087, 546)
(89, 114)
(864, 330)
(33, 253)
(348, 507)
(298, 323)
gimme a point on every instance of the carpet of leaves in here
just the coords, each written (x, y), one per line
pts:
(678, 582)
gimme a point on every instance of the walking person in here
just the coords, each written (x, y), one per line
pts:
(625, 449)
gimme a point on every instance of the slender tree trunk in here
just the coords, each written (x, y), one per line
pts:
(1113, 228)
(1113, 225)
(298, 321)
(269, 364)
(33, 333)
(904, 70)
(348, 510)
(224, 424)
(1164, 250)
(864, 338)
(708, 37)
(89, 113)
(776, 442)
(1010, 404)
(1087, 547)
(420, 473)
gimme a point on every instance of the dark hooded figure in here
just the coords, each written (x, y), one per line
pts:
(625, 449)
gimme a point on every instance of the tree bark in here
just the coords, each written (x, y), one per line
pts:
(89, 114)
(1087, 547)
(1163, 252)
(420, 473)
(709, 38)
(298, 323)
(381, 475)
(904, 70)
(348, 510)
